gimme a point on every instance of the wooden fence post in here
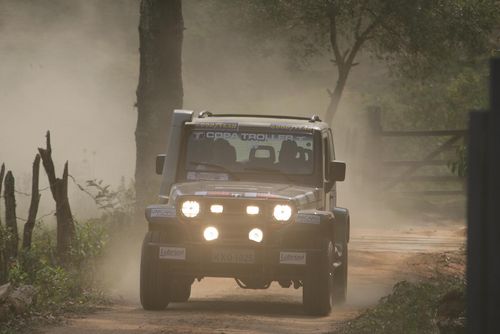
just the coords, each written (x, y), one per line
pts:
(483, 236)
(373, 149)
(59, 189)
(3, 256)
(10, 217)
(35, 200)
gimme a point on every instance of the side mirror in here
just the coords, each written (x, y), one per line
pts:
(160, 161)
(337, 171)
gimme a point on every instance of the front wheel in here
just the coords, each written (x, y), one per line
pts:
(317, 292)
(153, 283)
(340, 278)
(180, 291)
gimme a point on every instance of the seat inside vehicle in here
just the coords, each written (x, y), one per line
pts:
(262, 156)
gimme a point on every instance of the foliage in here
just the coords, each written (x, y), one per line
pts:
(74, 286)
(58, 286)
(90, 241)
(411, 308)
(117, 205)
(417, 38)
(416, 33)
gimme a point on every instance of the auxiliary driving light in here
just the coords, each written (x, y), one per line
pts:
(216, 208)
(190, 209)
(256, 235)
(210, 233)
(282, 212)
(252, 210)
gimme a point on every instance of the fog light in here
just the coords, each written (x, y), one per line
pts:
(210, 233)
(256, 235)
(216, 208)
(252, 210)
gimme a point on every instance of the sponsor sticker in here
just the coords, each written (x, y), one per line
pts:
(217, 125)
(290, 127)
(292, 258)
(162, 212)
(308, 219)
(172, 253)
(245, 136)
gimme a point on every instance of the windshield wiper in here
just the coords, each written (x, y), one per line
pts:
(269, 170)
(208, 164)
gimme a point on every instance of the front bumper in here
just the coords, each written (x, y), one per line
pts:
(197, 259)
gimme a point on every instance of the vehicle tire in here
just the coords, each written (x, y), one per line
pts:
(153, 283)
(180, 291)
(340, 278)
(317, 292)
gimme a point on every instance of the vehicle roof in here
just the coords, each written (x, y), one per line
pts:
(294, 124)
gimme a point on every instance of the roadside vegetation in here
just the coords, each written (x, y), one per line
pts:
(38, 283)
(48, 288)
(432, 304)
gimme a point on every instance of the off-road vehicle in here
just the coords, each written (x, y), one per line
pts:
(251, 198)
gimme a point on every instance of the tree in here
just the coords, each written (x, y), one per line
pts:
(414, 36)
(159, 91)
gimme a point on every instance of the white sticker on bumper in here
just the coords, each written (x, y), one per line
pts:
(172, 253)
(292, 258)
(163, 212)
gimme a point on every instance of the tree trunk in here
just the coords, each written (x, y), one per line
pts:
(345, 60)
(10, 217)
(59, 189)
(336, 96)
(159, 91)
(35, 200)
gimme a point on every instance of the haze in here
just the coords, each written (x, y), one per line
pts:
(71, 67)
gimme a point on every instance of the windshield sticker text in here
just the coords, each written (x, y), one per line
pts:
(246, 136)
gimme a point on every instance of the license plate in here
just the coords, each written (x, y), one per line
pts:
(233, 256)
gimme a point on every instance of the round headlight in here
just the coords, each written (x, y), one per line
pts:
(282, 212)
(256, 235)
(210, 233)
(190, 209)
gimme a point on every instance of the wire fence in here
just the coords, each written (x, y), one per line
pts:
(53, 212)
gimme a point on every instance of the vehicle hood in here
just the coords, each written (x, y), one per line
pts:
(300, 195)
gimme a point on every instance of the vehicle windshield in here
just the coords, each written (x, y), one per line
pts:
(223, 155)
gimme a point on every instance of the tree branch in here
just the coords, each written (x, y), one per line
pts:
(360, 19)
(334, 38)
(365, 35)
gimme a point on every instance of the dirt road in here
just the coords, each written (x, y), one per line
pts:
(377, 260)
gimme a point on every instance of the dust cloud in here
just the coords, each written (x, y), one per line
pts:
(72, 67)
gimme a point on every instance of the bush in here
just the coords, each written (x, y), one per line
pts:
(411, 308)
(61, 286)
